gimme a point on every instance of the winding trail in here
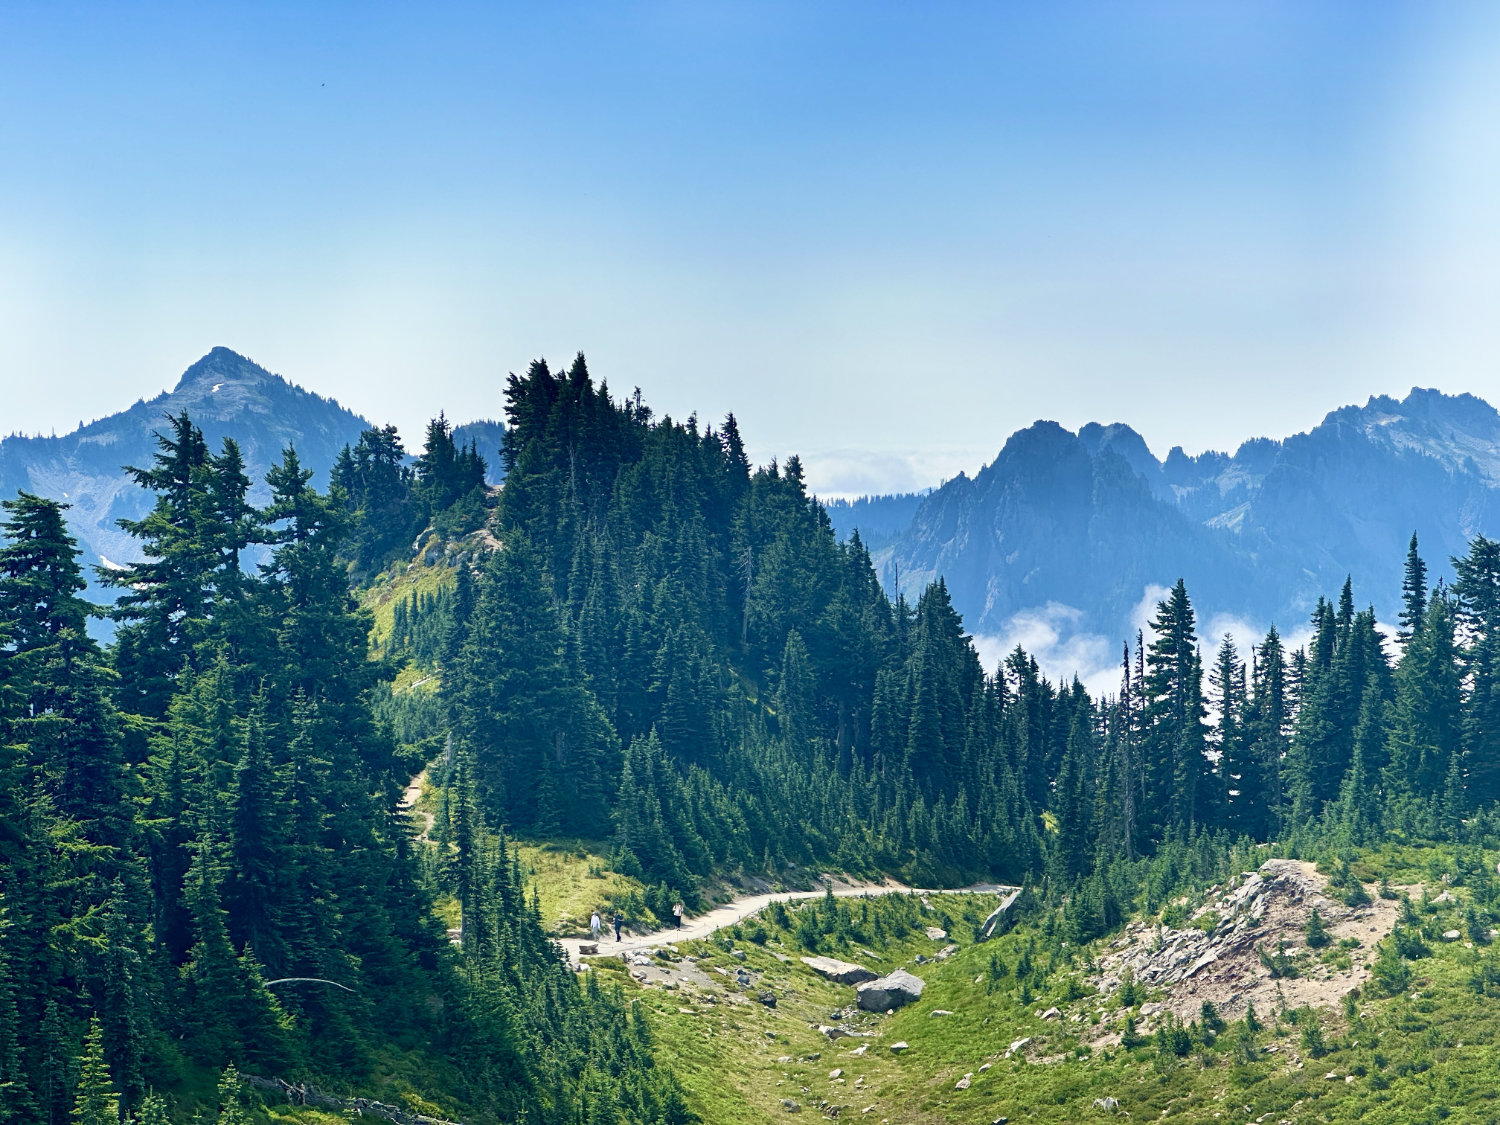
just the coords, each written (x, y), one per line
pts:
(737, 910)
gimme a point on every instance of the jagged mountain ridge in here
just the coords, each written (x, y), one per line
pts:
(226, 395)
(1090, 520)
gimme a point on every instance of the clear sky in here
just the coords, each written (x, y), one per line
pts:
(885, 235)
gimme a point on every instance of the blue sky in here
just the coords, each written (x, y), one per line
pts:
(885, 235)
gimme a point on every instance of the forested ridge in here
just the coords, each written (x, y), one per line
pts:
(644, 639)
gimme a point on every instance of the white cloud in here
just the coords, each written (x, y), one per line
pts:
(847, 474)
(1054, 635)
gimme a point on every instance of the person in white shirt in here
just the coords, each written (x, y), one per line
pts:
(596, 924)
(677, 914)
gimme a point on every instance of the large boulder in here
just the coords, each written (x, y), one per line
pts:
(840, 972)
(889, 992)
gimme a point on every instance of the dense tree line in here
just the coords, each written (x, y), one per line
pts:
(393, 503)
(673, 649)
(201, 863)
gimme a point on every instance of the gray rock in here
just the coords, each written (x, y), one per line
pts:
(1451, 935)
(790, 1106)
(941, 1012)
(898, 1047)
(893, 991)
(840, 972)
(936, 933)
(963, 1083)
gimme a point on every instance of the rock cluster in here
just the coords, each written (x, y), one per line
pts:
(1169, 956)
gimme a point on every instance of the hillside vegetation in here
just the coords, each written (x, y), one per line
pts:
(644, 672)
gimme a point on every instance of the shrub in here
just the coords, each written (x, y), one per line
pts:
(1315, 931)
(1408, 943)
(1278, 964)
(1312, 1039)
(1390, 971)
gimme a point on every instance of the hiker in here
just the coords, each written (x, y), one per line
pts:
(677, 914)
(595, 924)
(619, 921)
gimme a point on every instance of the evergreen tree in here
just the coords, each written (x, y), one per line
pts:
(1413, 593)
(96, 1102)
(1178, 776)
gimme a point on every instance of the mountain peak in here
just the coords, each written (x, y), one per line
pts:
(220, 365)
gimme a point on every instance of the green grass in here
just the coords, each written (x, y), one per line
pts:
(1428, 1055)
(398, 583)
(572, 879)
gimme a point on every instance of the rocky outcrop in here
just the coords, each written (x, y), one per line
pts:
(840, 972)
(894, 991)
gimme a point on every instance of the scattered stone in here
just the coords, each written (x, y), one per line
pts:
(588, 949)
(737, 954)
(985, 1067)
(963, 1083)
(814, 1057)
(1018, 1045)
(785, 1059)
(840, 972)
(790, 1106)
(1108, 1105)
(1331, 1076)
(946, 952)
(836, 1072)
(936, 934)
(941, 1012)
(1451, 935)
(770, 1035)
(1446, 896)
(887, 993)
(1051, 1014)
(861, 1049)
(768, 998)
(898, 1047)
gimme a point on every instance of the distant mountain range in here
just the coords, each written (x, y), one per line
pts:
(1079, 528)
(1091, 521)
(226, 395)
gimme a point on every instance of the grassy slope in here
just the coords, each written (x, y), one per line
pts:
(1427, 1055)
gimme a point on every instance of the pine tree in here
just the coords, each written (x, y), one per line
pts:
(1413, 594)
(95, 1102)
(1425, 723)
(1177, 771)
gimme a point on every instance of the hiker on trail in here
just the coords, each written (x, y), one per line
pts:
(619, 921)
(595, 924)
(677, 914)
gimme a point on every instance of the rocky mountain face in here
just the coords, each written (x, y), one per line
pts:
(226, 395)
(1089, 521)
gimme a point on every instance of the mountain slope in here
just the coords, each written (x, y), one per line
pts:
(226, 394)
(1092, 520)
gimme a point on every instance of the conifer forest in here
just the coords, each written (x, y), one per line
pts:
(212, 880)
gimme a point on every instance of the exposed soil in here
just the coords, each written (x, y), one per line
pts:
(1257, 911)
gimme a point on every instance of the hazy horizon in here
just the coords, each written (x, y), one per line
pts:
(885, 239)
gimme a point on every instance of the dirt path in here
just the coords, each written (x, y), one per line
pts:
(408, 802)
(741, 908)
